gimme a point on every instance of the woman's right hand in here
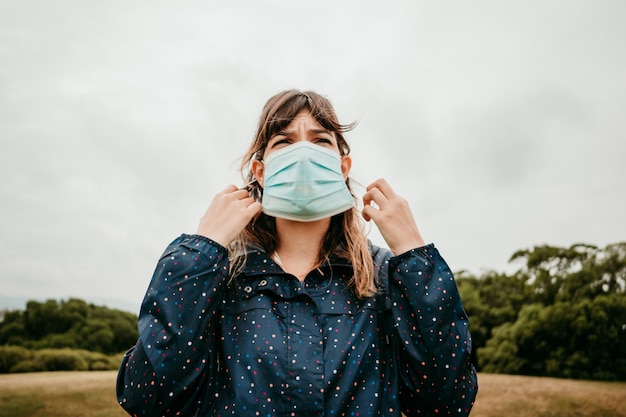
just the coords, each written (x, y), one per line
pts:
(228, 214)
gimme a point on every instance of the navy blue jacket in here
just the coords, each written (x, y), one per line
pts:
(268, 344)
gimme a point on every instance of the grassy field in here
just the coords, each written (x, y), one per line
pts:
(92, 394)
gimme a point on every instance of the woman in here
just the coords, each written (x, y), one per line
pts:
(279, 306)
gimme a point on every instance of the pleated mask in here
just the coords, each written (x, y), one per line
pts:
(304, 182)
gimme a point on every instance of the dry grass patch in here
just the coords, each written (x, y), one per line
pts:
(59, 394)
(521, 396)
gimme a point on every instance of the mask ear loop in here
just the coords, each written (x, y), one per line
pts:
(253, 186)
(330, 267)
(256, 192)
(249, 186)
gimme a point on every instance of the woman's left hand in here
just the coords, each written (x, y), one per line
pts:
(392, 216)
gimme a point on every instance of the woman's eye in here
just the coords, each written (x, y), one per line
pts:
(323, 140)
(281, 142)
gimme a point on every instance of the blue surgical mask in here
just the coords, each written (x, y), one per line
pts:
(304, 182)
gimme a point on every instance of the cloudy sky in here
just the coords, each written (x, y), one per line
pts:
(502, 122)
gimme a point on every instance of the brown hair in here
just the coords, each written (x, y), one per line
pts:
(345, 236)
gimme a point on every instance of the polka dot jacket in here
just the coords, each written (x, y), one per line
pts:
(267, 344)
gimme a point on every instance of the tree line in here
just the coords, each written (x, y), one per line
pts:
(561, 314)
(64, 335)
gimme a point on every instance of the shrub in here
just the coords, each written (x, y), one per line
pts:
(97, 361)
(28, 365)
(11, 356)
(19, 359)
(61, 360)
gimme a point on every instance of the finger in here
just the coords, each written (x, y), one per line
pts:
(240, 194)
(254, 208)
(375, 195)
(383, 186)
(229, 189)
(247, 201)
(368, 213)
(233, 194)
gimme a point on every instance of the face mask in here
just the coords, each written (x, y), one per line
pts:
(304, 182)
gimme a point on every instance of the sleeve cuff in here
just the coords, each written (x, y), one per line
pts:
(425, 251)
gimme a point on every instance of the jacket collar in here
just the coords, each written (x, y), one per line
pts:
(326, 287)
(259, 262)
(262, 273)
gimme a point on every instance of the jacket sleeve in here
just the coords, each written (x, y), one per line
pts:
(176, 353)
(432, 339)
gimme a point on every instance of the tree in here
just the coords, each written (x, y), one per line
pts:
(490, 301)
(572, 274)
(569, 340)
(561, 314)
(69, 324)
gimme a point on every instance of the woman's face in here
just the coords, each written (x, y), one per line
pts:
(303, 127)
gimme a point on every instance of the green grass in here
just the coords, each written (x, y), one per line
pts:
(92, 394)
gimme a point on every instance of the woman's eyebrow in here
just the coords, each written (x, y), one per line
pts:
(317, 131)
(289, 132)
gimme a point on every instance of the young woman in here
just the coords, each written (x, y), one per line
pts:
(279, 306)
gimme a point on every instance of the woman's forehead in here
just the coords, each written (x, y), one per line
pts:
(305, 117)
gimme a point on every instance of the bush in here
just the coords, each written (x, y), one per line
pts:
(97, 361)
(19, 359)
(28, 365)
(11, 356)
(61, 360)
